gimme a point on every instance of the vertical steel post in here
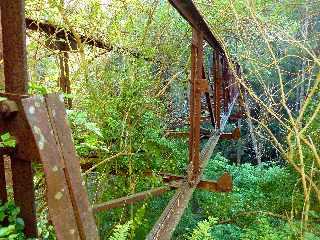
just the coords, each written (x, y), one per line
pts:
(225, 83)
(195, 105)
(16, 81)
(3, 190)
(208, 100)
(64, 81)
(217, 89)
(1, 57)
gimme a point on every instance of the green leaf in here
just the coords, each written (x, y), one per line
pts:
(10, 143)
(5, 231)
(2, 215)
(5, 137)
(7, 140)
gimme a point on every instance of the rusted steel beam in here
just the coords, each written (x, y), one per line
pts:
(131, 199)
(217, 88)
(16, 81)
(68, 203)
(224, 183)
(79, 197)
(14, 46)
(14, 122)
(63, 34)
(66, 41)
(208, 99)
(64, 81)
(24, 197)
(189, 11)
(225, 84)
(1, 57)
(169, 219)
(195, 104)
(235, 135)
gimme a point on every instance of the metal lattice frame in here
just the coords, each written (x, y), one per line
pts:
(17, 116)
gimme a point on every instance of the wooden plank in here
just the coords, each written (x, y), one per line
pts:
(79, 197)
(58, 197)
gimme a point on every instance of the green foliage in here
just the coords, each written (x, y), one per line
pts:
(202, 231)
(268, 228)
(46, 231)
(87, 135)
(121, 232)
(7, 140)
(11, 226)
(258, 191)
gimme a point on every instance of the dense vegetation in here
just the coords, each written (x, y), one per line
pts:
(126, 97)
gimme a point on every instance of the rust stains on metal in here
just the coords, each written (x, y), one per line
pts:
(235, 135)
(14, 46)
(195, 105)
(18, 127)
(224, 183)
(65, 40)
(79, 198)
(58, 196)
(217, 88)
(169, 219)
(16, 81)
(64, 81)
(67, 199)
(188, 11)
(131, 199)
(61, 34)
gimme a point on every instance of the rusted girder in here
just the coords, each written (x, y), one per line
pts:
(217, 88)
(69, 41)
(61, 33)
(224, 183)
(131, 199)
(16, 82)
(169, 219)
(188, 10)
(234, 135)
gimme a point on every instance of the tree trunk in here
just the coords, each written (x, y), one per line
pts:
(252, 133)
